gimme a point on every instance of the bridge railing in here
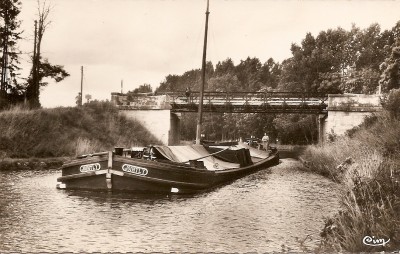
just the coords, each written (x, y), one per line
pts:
(273, 102)
(248, 98)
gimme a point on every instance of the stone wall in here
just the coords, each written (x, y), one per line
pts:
(163, 124)
(346, 111)
(338, 122)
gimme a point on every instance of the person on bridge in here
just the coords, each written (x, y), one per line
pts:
(265, 141)
(187, 93)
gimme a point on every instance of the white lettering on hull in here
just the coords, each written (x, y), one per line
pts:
(90, 167)
(135, 170)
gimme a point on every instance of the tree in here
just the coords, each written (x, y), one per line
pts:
(78, 99)
(88, 97)
(361, 81)
(392, 103)
(224, 67)
(41, 68)
(224, 83)
(390, 78)
(296, 128)
(145, 88)
(9, 36)
(248, 74)
(270, 74)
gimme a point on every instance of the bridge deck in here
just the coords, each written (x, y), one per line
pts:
(237, 102)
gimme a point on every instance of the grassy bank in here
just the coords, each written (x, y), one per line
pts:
(31, 163)
(67, 131)
(366, 163)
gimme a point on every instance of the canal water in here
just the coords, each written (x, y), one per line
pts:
(278, 209)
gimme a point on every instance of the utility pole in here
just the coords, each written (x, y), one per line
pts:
(122, 86)
(35, 67)
(81, 99)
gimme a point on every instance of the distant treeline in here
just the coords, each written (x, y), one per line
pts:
(335, 61)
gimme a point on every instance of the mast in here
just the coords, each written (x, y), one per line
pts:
(203, 79)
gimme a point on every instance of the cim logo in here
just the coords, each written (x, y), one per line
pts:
(134, 169)
(372, 241)
(90, 167)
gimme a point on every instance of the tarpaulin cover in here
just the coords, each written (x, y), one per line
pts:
(193, 152)
(253, 151)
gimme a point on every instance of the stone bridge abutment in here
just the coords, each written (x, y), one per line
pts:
(162, 124)
(346, 111)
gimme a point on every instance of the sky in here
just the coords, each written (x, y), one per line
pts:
(143, 41)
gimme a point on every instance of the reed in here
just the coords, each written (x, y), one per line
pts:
(365, 163)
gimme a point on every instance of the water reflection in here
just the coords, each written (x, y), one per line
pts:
(260, 213)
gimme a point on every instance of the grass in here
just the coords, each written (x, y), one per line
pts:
(31, 163)
(365, 163)
(67, 131)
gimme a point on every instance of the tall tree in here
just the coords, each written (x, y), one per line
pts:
(9, 36)
(248, 73)
(224, 67)
(270, 74)
(41, 68)
(390, 78)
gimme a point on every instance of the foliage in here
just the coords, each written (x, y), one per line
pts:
(337, 61)
(392, 103)
(361, 81)
(88, 97)
(78, 99)
(41, 68)
(9, 37)
(390, 68)
(296, 129)
(334, 61)
(145, 88)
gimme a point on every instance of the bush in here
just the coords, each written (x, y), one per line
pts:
(392, 103)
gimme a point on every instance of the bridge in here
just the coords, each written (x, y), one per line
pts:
(228, 102)
(160, 113)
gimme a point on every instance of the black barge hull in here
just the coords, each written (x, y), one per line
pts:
(117, 173)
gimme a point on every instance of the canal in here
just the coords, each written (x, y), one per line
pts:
(278, 209)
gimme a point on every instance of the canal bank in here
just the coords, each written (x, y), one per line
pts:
(67, 132)
(277, 209)
(17, 164)
(365, 163)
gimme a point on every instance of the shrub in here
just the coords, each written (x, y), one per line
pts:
(392, 102)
